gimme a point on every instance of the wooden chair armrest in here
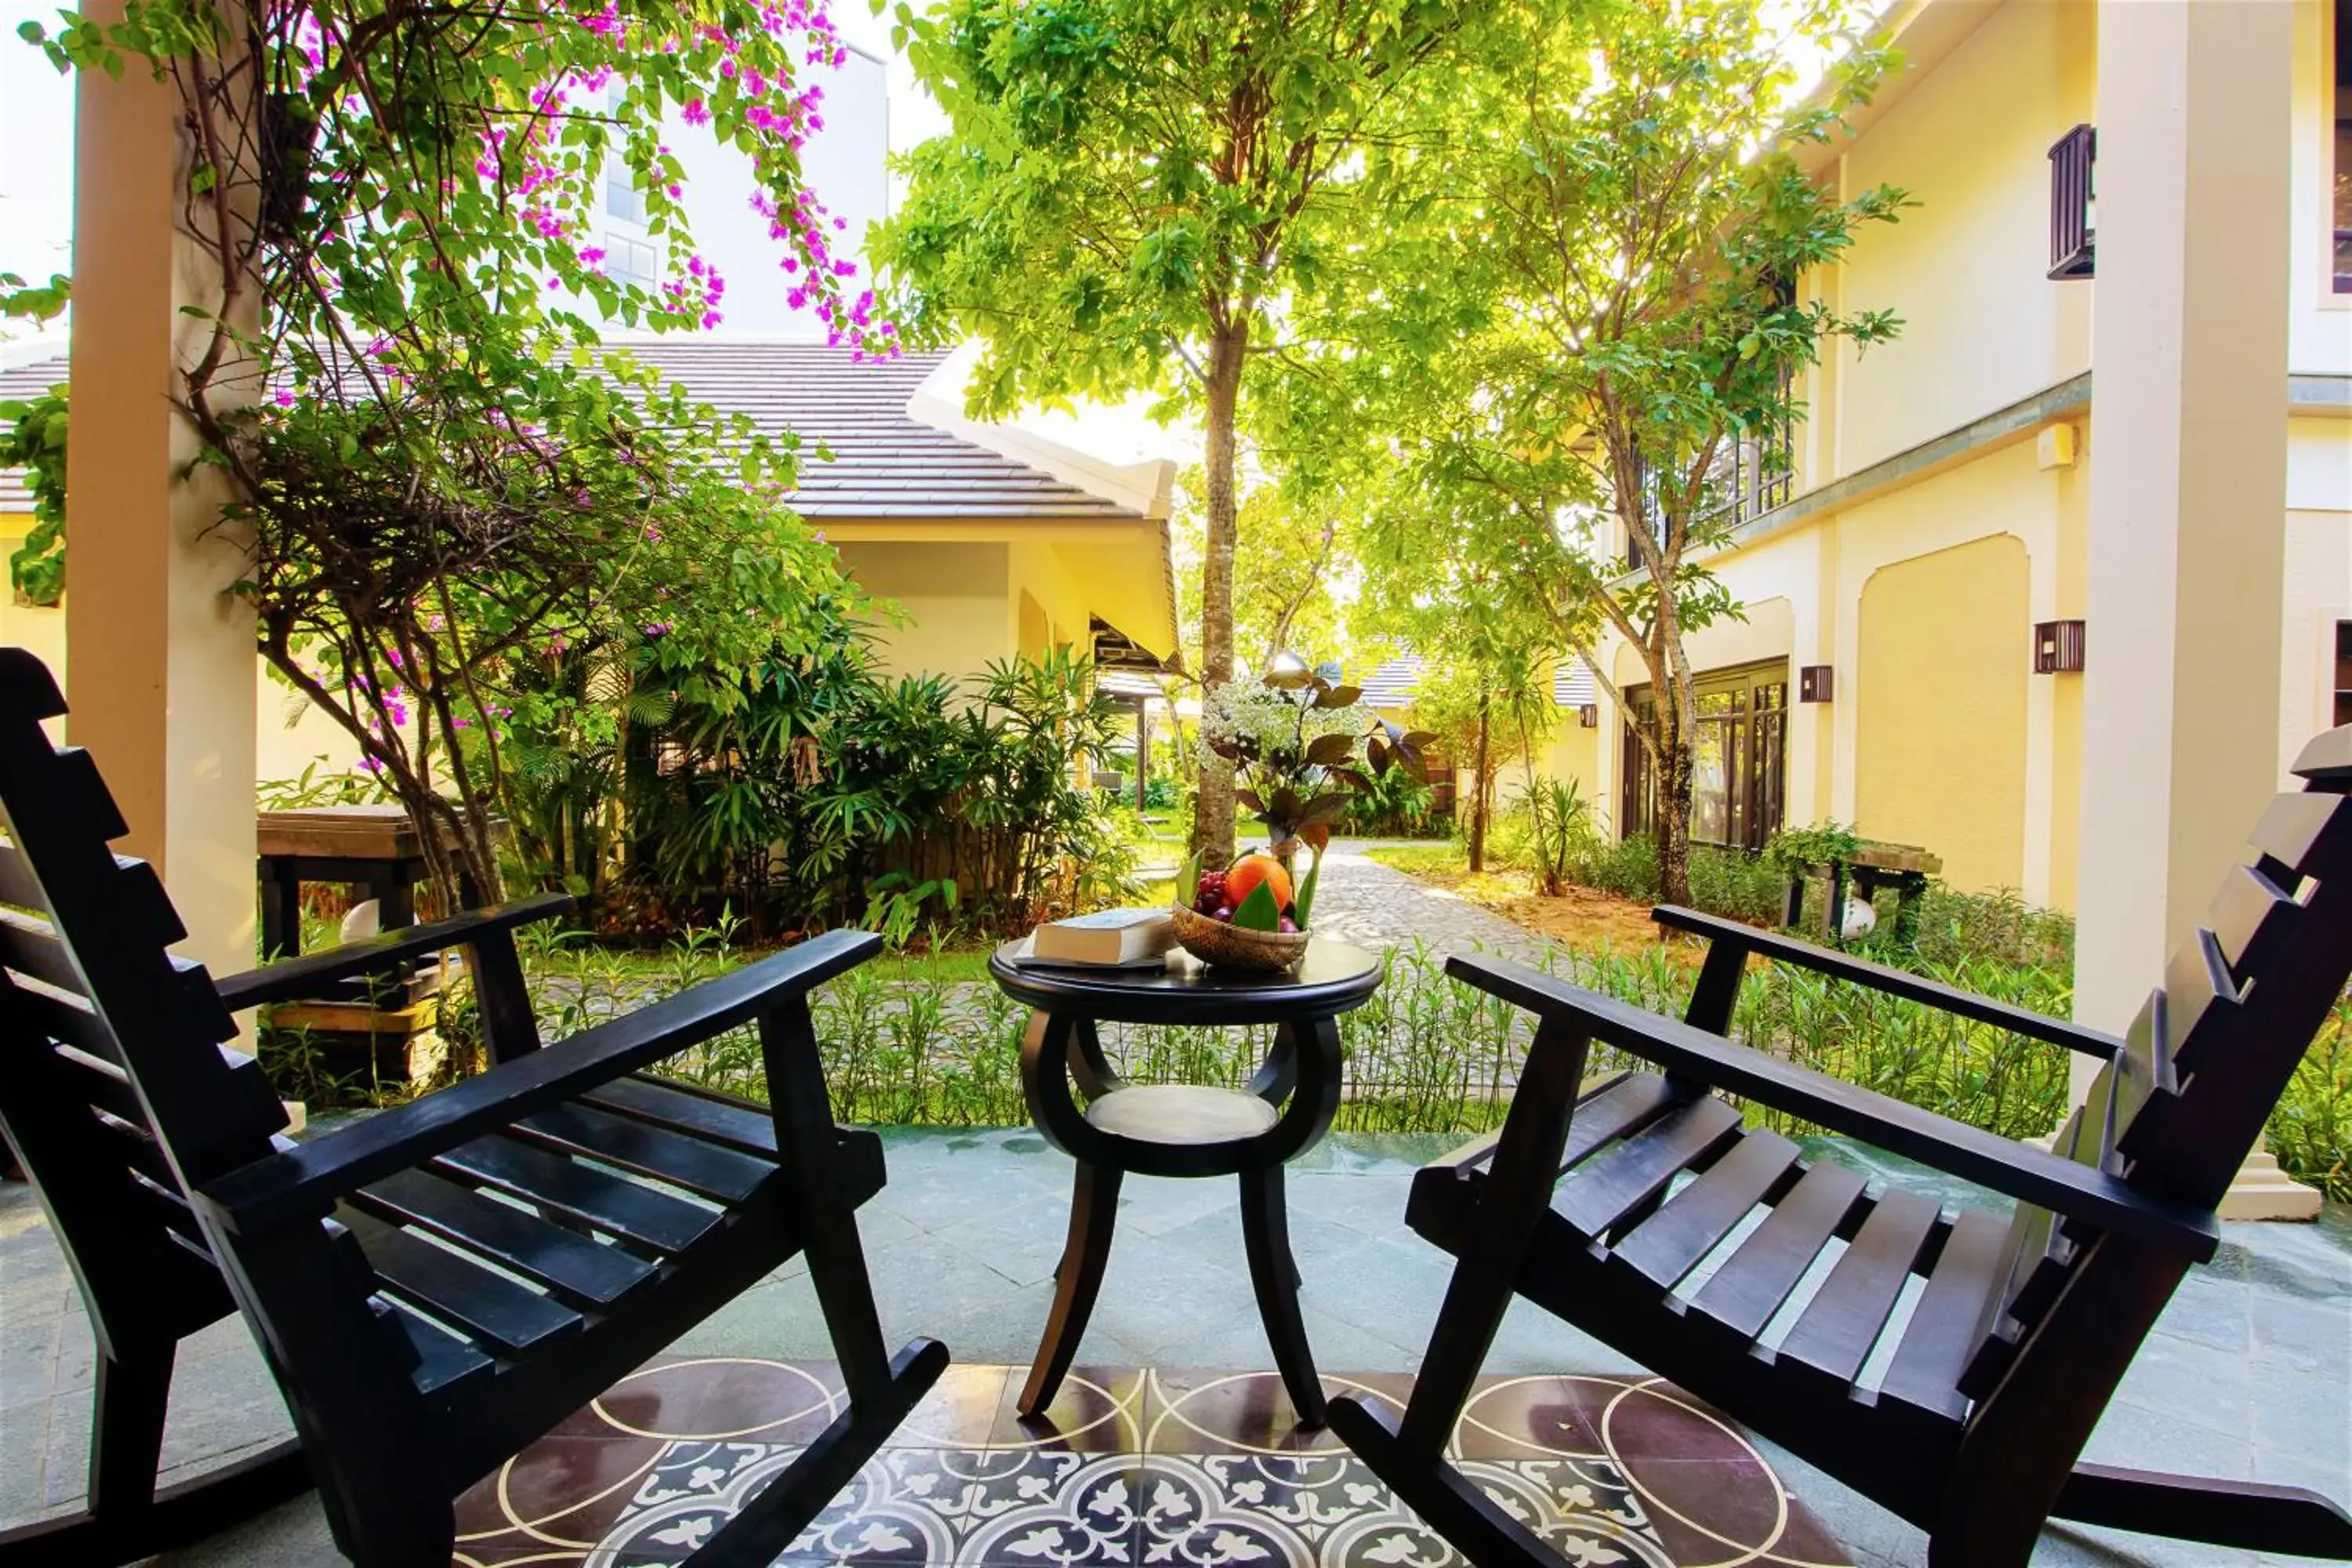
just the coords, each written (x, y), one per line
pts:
(2021, 1172)
(1891, 982)
(295, 977)
(303, 1182)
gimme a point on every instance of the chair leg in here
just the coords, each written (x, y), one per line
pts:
(2250, 1515)
(126, 1439)
(1452, 1504)
(1273, 1275)
(1094, 1210)
(774, 1519)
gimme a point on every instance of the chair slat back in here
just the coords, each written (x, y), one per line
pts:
(2185, 1096)
(114, 1086)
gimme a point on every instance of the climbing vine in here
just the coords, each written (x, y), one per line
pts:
(33, 438)
(444, 475)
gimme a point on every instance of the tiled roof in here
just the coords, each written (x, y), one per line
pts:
(1391, 684)
(1571, 683)
(885, 463)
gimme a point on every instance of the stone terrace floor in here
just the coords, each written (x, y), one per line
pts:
(2250, 1372)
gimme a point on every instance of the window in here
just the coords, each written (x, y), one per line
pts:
(2343, 674)
(2074, 216)
(630, 260)
(623, 200)
(2342, 164)
(1737, 755)
(1749, 475)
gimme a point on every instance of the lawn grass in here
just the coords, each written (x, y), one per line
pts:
(1438, 857)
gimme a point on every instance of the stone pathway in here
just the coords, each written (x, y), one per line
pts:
(1360, 900)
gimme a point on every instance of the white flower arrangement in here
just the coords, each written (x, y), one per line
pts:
(1265, 722)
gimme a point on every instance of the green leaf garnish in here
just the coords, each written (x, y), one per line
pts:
(1258, 912)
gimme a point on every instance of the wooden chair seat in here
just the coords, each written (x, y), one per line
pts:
(446, 1240)
(1668, 1206)
(1181, 1113)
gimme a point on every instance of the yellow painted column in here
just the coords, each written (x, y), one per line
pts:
(159, 659)
(2187, 474)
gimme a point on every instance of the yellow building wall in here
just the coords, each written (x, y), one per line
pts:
(957, 599)
(2318, 577)
(2002, 491)
(290, 734)
(1942, 680)
(1575, 754)
(1964, 269)
(1042, 577)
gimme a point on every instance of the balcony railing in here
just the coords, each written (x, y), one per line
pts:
(1750, 475)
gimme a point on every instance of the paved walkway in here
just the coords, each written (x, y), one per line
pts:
(1360, 900)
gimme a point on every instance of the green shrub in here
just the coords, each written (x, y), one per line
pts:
(911, 1042)
(1626, 867)
(1396, 805)
(827, 793)
(1738, 886)
(2311, 1131)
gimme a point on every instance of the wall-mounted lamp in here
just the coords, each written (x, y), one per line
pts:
(1588, 716)
(1816, 683)
(2058, 648)
(2054, 448)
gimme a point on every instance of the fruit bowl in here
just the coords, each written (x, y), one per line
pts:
(1224, 946)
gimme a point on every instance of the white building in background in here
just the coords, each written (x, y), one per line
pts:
(844, 162)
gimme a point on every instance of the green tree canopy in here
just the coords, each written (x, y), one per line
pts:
(1609, 307)
(1156, 196)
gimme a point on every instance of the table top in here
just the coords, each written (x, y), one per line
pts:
(343, 833)
(1332, 978)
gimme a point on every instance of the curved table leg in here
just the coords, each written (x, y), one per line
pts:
(1094, 1210)
(1090, 1068)
(1266, 1235)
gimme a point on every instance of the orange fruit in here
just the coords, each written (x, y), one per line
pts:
(1243, 875)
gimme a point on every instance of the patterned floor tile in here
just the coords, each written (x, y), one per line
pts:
(1099, 1410)
(1134, 1468)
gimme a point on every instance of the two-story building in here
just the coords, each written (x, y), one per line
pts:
(1917, 589)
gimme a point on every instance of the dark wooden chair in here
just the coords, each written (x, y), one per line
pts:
(2022, 1326)
(633, 1207)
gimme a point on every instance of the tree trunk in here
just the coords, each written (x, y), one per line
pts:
(1212, 817)
(1479, 792)
(1674, 773)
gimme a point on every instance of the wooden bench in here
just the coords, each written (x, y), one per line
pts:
(1646, 1212)
(581, 1215)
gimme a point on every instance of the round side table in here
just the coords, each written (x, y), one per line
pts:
(1184, 1130)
